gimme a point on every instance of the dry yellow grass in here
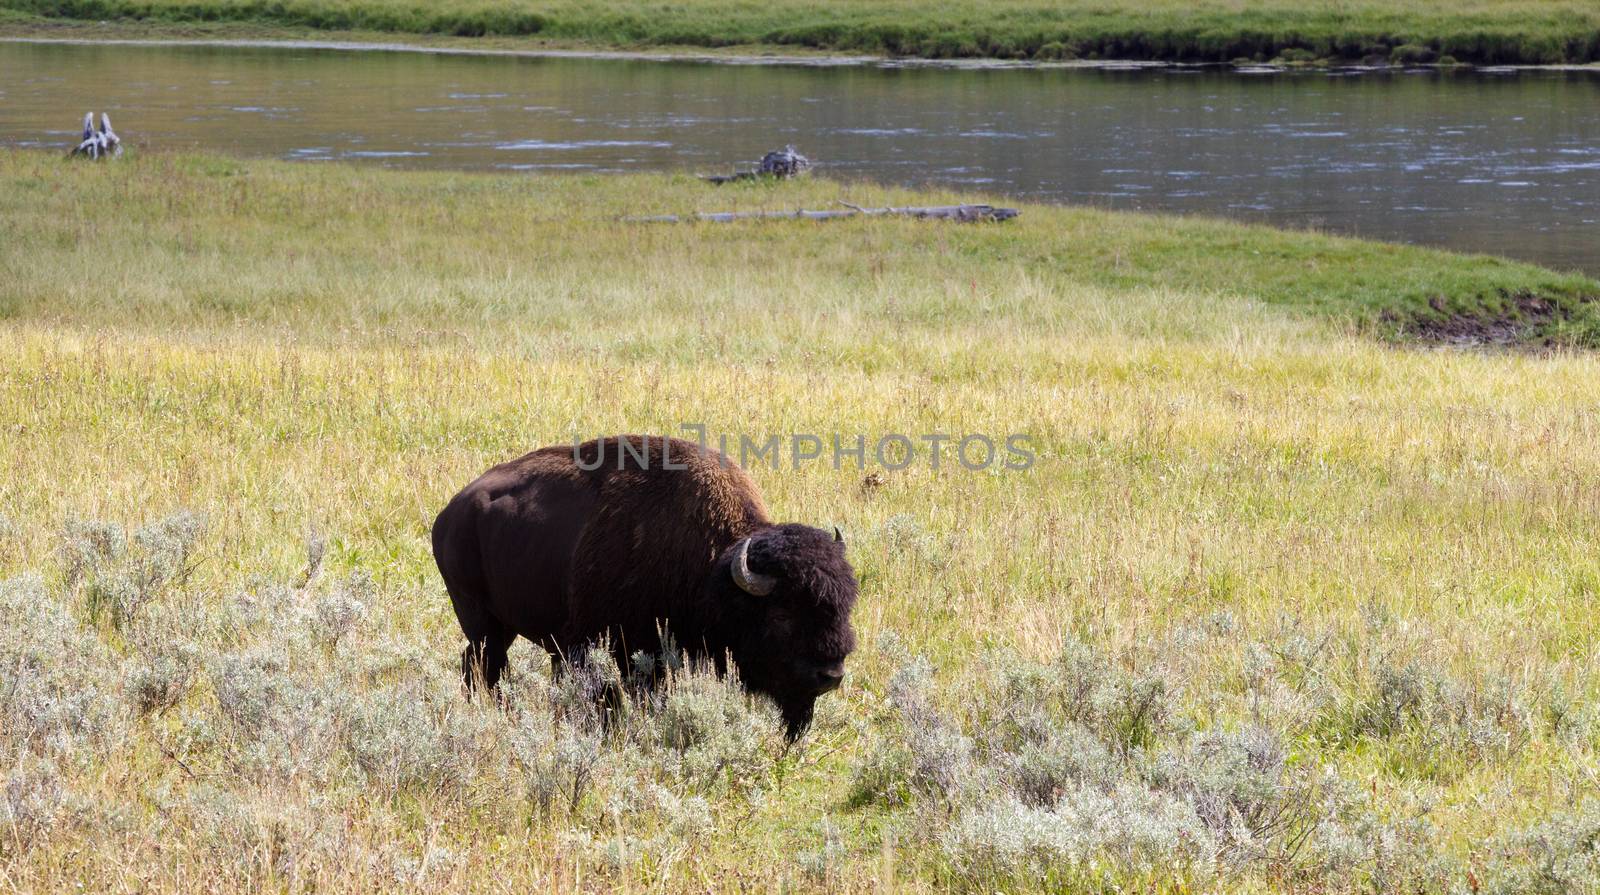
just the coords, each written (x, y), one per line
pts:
(332, 350)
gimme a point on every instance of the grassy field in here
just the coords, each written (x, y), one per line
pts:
(1291, 601)
(1413, 31)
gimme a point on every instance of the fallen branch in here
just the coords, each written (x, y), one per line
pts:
(720, 179)
(965, 214)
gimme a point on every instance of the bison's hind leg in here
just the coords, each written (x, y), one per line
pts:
(484, 659)
(455, 549)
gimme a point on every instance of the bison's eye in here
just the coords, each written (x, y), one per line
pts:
(781, 619)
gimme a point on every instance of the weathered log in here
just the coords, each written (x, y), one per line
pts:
(103, 143)
(959, 213)
(784, 162)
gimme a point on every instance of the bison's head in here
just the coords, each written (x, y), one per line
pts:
(785, 595)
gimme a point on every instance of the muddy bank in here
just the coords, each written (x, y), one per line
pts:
(1518, 320)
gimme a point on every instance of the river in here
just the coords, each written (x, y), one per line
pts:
(1497, 161)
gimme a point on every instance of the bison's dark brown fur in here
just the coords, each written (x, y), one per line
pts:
(566, 546)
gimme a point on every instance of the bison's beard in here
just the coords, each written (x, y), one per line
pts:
(797, 714)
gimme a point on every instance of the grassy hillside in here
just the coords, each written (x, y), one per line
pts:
(1475, 31)
(1282, 606)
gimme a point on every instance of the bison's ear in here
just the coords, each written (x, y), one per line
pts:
(752, 583)
(838, 537)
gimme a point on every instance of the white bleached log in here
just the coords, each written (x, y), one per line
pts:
(98, 144)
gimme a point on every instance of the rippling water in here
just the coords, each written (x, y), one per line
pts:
(1498, 161)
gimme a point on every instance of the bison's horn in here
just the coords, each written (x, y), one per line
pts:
(838, 536)
(748, 581)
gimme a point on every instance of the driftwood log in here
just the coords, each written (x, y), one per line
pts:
(962, 213)
(779, 163)
(100, 144)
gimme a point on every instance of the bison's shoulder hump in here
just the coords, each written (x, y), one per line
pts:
(681, 480)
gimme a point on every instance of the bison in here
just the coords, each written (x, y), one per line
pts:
(624, 538)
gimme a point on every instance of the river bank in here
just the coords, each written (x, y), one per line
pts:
(1286, 32)
(260, 37)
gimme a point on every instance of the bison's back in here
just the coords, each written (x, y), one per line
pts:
(562, 546)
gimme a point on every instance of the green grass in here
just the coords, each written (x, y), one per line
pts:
(206, 241)
(1252, 489)
(1477, 31)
